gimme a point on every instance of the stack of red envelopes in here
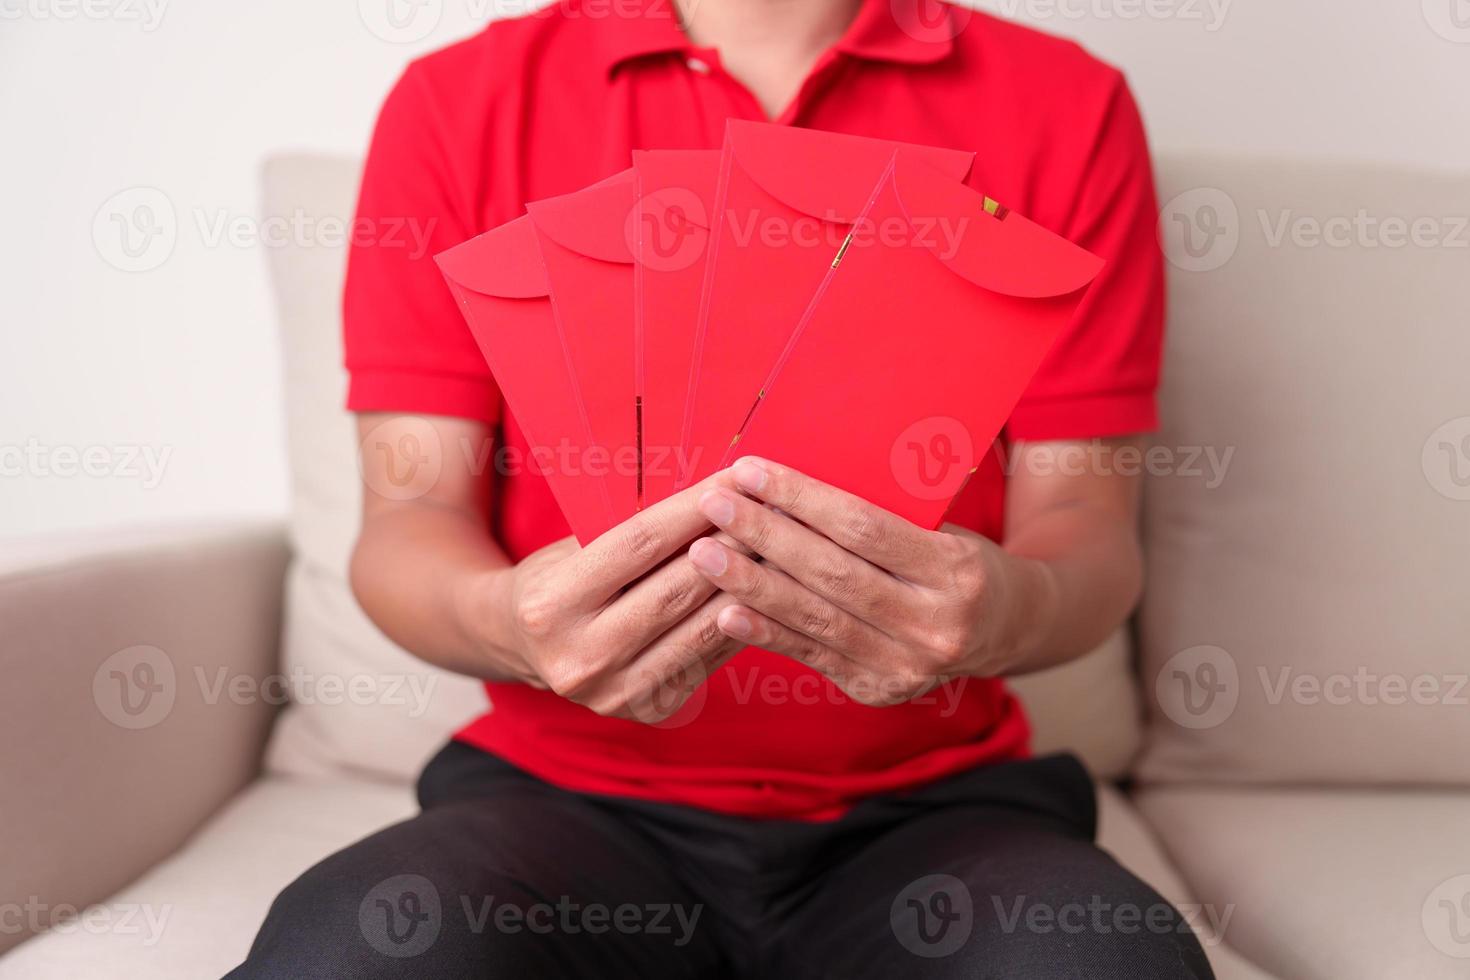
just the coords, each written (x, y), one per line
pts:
(843, 305)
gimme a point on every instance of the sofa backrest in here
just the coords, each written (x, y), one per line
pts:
(1307, 615)
(392, 730)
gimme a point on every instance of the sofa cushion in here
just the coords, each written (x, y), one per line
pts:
(1089, 707)
(1306, 615)
(1328, 884)
(195, 914)
(1122, 832)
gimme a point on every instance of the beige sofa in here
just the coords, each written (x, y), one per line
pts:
(1287, 753)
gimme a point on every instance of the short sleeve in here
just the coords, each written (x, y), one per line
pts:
(1100, 376)
(407, 346)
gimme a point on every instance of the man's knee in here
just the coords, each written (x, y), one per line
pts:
(378, 910)
(1098, 922)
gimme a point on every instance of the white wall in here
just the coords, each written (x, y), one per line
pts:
(164, 383)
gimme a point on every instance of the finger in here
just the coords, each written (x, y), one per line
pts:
(673, 669)
(862, 683)
(656, 602)
(880, 536)
(785, 600)
(846, 580)
(749, 626)
(640, 543)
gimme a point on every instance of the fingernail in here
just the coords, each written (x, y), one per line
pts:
(717, 507)
(750, 475)
(708, 557)
(735, 623)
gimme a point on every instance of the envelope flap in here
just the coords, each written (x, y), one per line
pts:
(986, 243)
(826, 175)
(592, 221)
(504, 261)
(673, 185)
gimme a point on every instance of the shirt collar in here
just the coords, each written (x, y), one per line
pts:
(629, 29)
(902, 31)
(911, 32)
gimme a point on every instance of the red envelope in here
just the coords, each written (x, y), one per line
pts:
(501, 288)
(676, 190)
(589, 266)
(928, 327)
(785, 200)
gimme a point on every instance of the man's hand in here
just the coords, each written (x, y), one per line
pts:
(625, 626)
(616, 626)
(889, 610)
(886, 609)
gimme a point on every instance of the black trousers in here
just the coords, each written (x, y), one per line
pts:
(991, 873)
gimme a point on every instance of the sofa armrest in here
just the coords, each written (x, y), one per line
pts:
(132, 667)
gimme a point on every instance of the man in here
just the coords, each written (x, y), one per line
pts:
(846, 792)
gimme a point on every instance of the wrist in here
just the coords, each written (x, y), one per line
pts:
(482, 604)
(1032, 600)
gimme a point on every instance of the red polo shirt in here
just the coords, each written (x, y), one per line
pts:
(548, 103)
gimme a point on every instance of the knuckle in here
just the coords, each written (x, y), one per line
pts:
(537, 613)
(864, 690)
(790, 492)
(897, 687)
(968, 580)
(835, 578)
(606, 705)
(707, 634)
(570, 678)
(947, 647)
(645, 540)
(759, 531)
(818, 620)
(676, 592)
(861, 530)
(804, 650)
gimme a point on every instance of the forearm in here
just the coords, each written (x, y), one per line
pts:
(431, 578)
(1073, 576)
